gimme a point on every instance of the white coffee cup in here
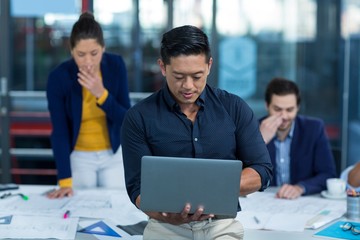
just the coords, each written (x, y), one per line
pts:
(335, 186)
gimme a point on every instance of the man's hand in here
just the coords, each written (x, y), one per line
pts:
(290, 191)
(269, 126)
(181, 218)
(60, 193)
(177, 218)
(354, 176)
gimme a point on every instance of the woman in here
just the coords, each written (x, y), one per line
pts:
(87, 100)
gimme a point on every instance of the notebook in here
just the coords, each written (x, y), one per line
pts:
(168, 183)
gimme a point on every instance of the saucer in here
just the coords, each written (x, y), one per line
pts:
(325, 194)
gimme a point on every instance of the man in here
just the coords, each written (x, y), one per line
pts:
(352, 176)
(188, 118)
(298, 146)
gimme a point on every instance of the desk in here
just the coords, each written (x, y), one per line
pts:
(117, 208)
(252, 234)
(129, 214)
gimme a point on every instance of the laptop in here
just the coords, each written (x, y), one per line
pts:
(168, 183)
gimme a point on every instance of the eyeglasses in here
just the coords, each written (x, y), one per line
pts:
(355, 229)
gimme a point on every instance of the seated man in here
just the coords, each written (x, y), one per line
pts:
(352, 177)
(298, 146)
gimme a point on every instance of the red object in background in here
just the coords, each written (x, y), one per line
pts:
(30, 129)
(30, 124)
(33, 125)
(86, 5)
(333, 132)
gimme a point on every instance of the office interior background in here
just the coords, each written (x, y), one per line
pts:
(315, 43)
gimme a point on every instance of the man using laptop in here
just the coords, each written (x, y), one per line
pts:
(188, 118)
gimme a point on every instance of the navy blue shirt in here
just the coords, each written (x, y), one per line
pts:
(225, 128)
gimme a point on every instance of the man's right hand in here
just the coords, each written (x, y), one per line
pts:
(61, 192)
(269, 126)
(177, 218)
(180, 218)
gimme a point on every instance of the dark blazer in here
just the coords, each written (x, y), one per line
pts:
(311, 161)
(64, 95)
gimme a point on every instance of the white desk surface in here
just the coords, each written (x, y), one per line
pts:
(250, 234)
(307, 234)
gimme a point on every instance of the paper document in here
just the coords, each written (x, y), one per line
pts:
(288, 215)
(36, 227)
(107, 204)
(41, 205)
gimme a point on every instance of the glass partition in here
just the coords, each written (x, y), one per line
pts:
(193, 12)
(313, 42)
(290, 39)
(40, 35)
(137, 37)
(296, 39)
(153, 21)
(351, 100)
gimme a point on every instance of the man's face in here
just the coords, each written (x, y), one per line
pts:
(284, 106)
(186, 77)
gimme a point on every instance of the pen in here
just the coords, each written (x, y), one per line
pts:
(67, 214)
(23, 196)
(256, 220)
(6, 195)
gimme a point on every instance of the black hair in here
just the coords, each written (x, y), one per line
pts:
(281, 86)
(86, 28)
(185, 40)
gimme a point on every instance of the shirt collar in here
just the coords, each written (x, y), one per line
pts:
(291, 133)
(169, 100)
(201, 99)
(172, 104)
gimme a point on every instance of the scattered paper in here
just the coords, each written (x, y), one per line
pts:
(39, 227)
(288, 215)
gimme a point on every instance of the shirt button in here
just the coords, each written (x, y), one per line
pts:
(195, 139)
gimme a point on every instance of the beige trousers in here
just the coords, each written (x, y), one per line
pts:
(218, 229)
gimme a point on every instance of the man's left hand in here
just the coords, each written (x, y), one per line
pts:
(288, 191)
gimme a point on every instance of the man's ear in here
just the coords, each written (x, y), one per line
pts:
(162, 67)
(210, 64)
(267, 106)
